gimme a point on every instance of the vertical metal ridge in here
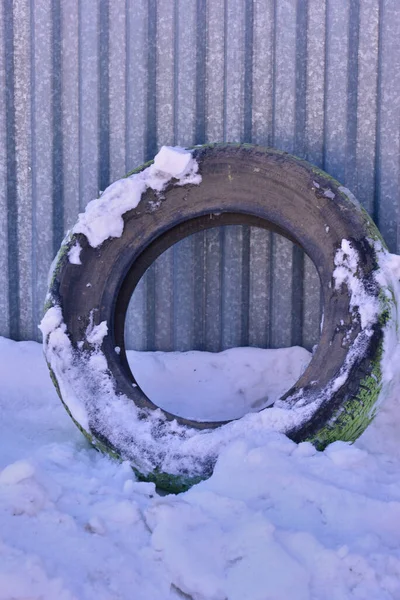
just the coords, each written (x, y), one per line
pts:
(248, 72)
(176, 73)
(4, 288)
(33, 142)
(174, 296)
(325, 132)
(12, 209)
(221, 240)
(201, 37)
(245, 285)
(225, 87)
(273, 118)
(352, 87)
(377, 182)
(80, 134)
(271, 288)
(104, 88)
(150, 294)
(200, 291)
(297, 296)
(57, 126)
(301, 76)
(151, 121)
(127, 83)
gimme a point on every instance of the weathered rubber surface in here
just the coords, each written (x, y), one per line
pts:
(240, 183)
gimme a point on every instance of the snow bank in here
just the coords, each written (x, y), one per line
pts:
(276, 519)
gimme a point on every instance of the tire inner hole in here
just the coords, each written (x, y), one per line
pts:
(223, 322)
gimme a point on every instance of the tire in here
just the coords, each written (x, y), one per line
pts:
(335, 396)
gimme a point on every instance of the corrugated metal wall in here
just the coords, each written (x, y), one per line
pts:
(89, 89)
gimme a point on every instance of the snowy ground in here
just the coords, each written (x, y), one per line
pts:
(217, 386)
(275, 522)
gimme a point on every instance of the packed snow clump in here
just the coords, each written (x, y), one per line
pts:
(102, 218)
(74, 254)
(346, 265)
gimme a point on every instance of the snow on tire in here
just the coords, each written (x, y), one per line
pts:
(121, 233)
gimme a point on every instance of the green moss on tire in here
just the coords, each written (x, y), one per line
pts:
(353, 417)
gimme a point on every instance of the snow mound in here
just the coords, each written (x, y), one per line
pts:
(217, 386)
(276, 519)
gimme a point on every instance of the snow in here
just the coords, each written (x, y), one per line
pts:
(217, 386)
(102, 218)
(96, 333)
(275, 521)
(346, 265)
(74, 254)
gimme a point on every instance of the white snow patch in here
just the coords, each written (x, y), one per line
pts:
(16, 472)
(96, 333)
(74, 254)
(217, 386)
(60, 357)
(346, 261)
(102, 218)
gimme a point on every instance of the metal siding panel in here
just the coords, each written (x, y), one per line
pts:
(263, 70)
(234, 71)
(117, 88)
(4, 289)
(23, 140)
(164, 302)
(367, 103)
(285, 75)
(284, 114)
(199, 291)
(215, 65)
(281, 293)
(166, 58)
(388, 132)
(93, 87)
(89, 110)
(135, 325)
(336, 88)
(214, 292)
(231, 291)
(184, 300)
(260, 297)
(315, 100)
(70, 110)
(137, 74)
(185, 73)
(42, 159)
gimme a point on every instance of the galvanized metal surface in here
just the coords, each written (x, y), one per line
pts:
(89, 89)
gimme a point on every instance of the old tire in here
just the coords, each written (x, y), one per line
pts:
(334, 398)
